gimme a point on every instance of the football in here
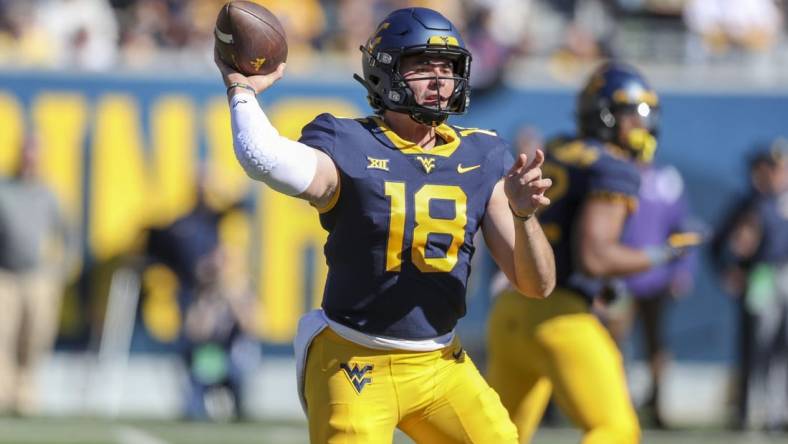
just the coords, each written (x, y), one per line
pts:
(250, 38)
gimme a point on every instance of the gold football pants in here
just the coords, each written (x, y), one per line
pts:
(555, 346)
(359, 395)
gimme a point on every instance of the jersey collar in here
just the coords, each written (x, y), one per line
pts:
(447, 133)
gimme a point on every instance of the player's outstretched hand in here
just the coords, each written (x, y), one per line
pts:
(524, 185)
(259, 82)
(677, 246)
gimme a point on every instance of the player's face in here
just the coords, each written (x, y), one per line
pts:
(780, 176)
(430, 78)
(769, 178)
(641, 117)
(628, 121)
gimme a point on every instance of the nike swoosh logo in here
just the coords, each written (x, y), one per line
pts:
(462, 170)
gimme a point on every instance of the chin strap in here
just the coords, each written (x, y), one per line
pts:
(370, 92)
(363, 82)
(428, 118)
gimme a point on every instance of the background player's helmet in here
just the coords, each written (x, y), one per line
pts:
(616, 88)
(408, 32)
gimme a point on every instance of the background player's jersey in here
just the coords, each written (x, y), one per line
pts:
(582, 169)
(771, 211)
(401, 227)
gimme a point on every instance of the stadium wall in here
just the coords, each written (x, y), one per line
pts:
(122, 153)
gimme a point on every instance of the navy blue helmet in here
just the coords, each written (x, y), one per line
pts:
(407, 32)
(613, 89)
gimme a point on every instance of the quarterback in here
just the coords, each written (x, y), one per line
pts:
(401, 194)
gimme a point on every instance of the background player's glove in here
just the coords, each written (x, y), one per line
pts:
(676, 246)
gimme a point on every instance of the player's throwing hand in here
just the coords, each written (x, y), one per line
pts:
(525, 186)
(259, 82)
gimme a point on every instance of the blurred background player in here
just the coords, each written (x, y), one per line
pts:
(662, 211)
(558, 346)
(402, 194)
(36, 247)
(751, 252)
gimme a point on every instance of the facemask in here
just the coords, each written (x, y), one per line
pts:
(643, 143)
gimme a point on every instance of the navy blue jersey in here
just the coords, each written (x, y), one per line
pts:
(401, 227)
(581, 169)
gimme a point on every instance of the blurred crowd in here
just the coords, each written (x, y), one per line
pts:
(173, 35)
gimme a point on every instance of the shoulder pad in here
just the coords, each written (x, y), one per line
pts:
(558, 141)
(575, 152)
(464, 132)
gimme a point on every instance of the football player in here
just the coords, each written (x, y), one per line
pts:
(401, 194)
(558, 346)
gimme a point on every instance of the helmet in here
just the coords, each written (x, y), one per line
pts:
(407, 32)
(613, 89)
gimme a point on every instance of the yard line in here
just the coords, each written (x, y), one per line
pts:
(135, 435)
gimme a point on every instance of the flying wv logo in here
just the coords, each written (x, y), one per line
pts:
(357, 375)
(427, 162)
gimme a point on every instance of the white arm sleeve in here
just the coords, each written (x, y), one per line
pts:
(285, 165)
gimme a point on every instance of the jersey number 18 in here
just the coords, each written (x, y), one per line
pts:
(425, 225)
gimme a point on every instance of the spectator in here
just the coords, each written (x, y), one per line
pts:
(751, 251)
(588, 30)
(303, 21)
(716, 26)
(23, 40)
(662, 211)
(150, 28)
(491, 54)
(221, 349)
(83, 33)
(217, 304)
(35, 246)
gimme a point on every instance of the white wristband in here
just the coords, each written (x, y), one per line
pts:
(285, 165)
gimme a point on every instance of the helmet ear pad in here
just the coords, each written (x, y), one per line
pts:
(600, 123)
(607, 117)
(372, 83)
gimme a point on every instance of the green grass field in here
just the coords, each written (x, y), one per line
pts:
(92, 431)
